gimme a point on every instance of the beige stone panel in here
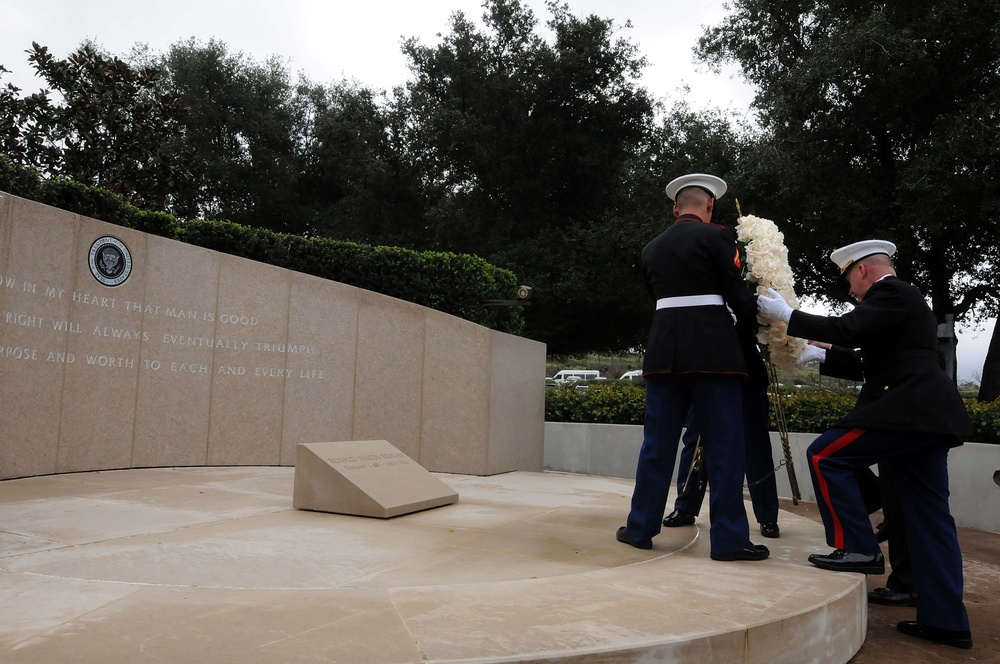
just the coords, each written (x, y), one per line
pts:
(6, 204)
(248, 378)
(6, 225)
(517, 404)
(97, 421)
(319, 392)
(29, 392)
(388, 381)
(36, 282)
(40, 238)
(455, 415)
(175, 373)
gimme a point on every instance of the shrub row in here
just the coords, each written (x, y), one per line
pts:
(624, 403)
(452, 283)
(612, 402)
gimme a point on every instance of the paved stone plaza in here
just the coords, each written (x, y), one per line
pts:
(214, 565)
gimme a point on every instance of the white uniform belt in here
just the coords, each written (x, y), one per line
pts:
(689, 301)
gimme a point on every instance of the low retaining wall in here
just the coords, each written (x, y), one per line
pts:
(611, 450)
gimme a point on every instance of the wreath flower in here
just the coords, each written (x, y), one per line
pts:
(767, 267)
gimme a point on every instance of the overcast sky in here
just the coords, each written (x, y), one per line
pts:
(328, 40)
(331, 39)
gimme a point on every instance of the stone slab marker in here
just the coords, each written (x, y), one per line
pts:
(364, 478)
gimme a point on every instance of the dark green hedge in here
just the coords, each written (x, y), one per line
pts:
(813, 413)
(624, 403)
(613, 402)
(452, 283)
(985, 418)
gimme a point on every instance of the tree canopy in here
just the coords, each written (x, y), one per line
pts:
(876, 120)
(243, 123)
(111, 125)
(546, 156)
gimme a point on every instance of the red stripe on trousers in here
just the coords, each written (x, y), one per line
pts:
(826, 452)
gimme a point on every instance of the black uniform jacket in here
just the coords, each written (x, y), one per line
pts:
(895, 333)
(695, 258)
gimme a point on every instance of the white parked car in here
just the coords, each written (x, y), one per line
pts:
(632, 375)
(573, 375)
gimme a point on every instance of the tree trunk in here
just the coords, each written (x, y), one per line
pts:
(989, 386)
(946, 347)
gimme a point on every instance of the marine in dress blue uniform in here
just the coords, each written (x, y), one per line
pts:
(693, 357)
(907, 416)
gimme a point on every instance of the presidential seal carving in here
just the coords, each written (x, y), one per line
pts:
(110, 261)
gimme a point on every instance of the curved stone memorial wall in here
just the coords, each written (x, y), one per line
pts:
(120, 349)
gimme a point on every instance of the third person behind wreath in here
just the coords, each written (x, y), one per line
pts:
(759, 460)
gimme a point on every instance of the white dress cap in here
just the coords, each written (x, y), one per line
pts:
(716, 185)
(847, 256)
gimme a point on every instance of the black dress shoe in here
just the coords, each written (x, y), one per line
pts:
(624, 537)
(955, 638)
(750, 552)
(770, 529)
(678, 518)
(890, 597)
(843, 561)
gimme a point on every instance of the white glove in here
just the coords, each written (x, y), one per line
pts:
(811, 354)
(774, 307)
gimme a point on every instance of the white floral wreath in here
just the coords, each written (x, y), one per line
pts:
(767, 267)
